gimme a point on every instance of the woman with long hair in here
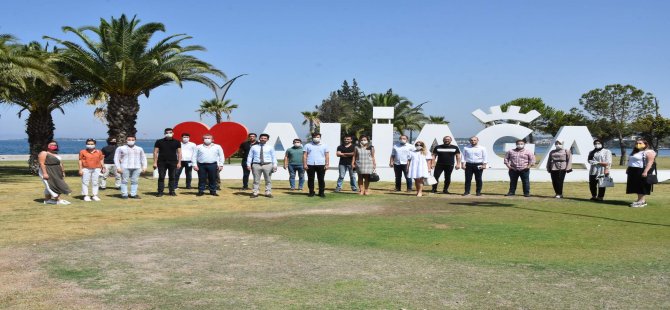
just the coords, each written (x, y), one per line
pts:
(419, 166)
(640, 163)
(52, 173)
(364, 163)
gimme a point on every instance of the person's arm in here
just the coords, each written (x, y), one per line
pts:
(155, 157)
(506, 161)
(221, 158)
(250, 158)
(485, 158)
(41, 159)
(651, 156)
(568, 158)
(143, 158)
(304, 158)
(117, 160)
(102, 162)
(327, 160)
(434, 157)
(339, 153)
(81, 163)
(353, 159)
(531, 160)
(179, 157)
(194, 159)
(458, 159)
(286, 160)
(549, 161)
(273, 155)
(374, 161)
(429, 161)
(392, 159)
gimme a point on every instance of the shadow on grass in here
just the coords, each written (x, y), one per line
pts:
(487, 204)
(15, 174)
(605, 202)
(593, 216)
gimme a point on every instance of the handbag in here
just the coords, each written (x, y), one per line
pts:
(605, 181)
(652, 177)
(374, 177)
(429, 180)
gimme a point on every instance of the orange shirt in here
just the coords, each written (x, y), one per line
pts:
(91, 160)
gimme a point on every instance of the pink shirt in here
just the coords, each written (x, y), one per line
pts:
(519, 159)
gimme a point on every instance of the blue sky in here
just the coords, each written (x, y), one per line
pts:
(458, 55)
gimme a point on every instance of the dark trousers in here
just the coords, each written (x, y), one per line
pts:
(320, 171)
(399, 171)
(472, 169)
(171, 168)
(557, 178)
(447, 169)
(514, 176)
(245, 174)
(593, 186)
(185, 166)
(207, 176)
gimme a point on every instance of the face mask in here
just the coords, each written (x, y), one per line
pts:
(418, 147)
(53, 147)
(640, 146)
(598, 146)
(130, 143)
(559, 147)
(168, 135)
(90, 147)
(185, 140)
(316, 140)
(297, 144)
(364, 142)
(207, 141)
(403, 141)
(520, 146)
(112, 143)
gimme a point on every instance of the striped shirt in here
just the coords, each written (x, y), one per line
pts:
(127, 157)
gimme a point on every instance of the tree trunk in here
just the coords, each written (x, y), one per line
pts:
(219, 119)
(622, 148)
(122, 116)
(40, 129)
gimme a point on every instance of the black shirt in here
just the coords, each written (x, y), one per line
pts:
(109, 152)
(167, 149)
(446, 154)
(245, 147)
(344, 149)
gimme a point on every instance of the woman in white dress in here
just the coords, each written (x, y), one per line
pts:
(419, 165)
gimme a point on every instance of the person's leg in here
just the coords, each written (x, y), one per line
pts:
(125, 178)
(367, 184)
(85, 180)
(525, 181)
(162, 169)
(513, 179)
(437, 173)
(267, 176)
(561, 181)
(361, 185)
(172, 169)
(407, 178)
(134, 181)
(188, 170)
(342, 170)
(478, 179)
(447, 178)
(601, 192)
(212, 171)
(95, 178)
(256, 170)
(117, 176)
(419, 186)
(554, 181)
(245, 174)
(397, 170)
(320, 174)
(291, 176)
(301, 177)
(593, 185)
(103, 177)
(311, 171)
(352, 178)
(468, 178)
(177, 175)
(202, 178)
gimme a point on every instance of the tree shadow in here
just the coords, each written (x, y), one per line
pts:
(593, 216)
(487, 204)
(604, 202)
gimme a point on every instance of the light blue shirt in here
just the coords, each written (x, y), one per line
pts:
(316, 154)
(268, 155)
(207, 154)
(401, 153)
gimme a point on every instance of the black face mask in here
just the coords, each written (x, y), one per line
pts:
(112, 143)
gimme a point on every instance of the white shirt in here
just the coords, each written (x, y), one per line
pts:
(127, 157)
(187, 150)
(401, 153)
(474, 155)
(207, 154)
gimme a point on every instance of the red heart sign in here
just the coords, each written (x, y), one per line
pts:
(227, 134)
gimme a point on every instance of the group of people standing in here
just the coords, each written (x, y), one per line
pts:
(417, 163)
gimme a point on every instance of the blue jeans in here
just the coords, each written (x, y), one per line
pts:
(292, 169)
(525, 180)
(134, 176)
(352, 177)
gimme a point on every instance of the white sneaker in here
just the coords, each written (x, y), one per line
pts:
(87, 198)
(95, 198)
(50, 202)
(638, 204)
(63, 202)
(558, 197)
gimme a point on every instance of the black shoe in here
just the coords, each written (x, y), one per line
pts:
(214, 194)
(124, 197)
(509, 194)
(135, 197)
(244, 188)
(189, 187)
(322, 195)
(200, 194)
(159, 195)
(446, 192)
(526, 195)
(396, 190)
(594, 199)
(409, 190)
(479, 194)
(310, 195)
(466, 194)
(173, 194)
(434, 191)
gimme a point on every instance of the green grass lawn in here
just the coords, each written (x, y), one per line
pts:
(389, 250)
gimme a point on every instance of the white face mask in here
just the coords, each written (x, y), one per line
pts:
(403, 141)
(559, 146)
(169, 135)
(598, 146)
(207, 141)
(316, 140)
(418, 147)
(185, 139)
(520, 146)
(297, 144)
(364, 142)
(90, 146)
(130, 143)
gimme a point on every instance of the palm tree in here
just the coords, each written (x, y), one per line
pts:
(20, 66)
(311, 118)
(40, 99)
(407, 117)
(123, 65)
(432, 119)
(217, 108)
